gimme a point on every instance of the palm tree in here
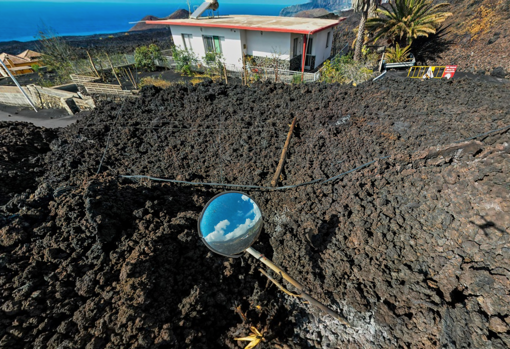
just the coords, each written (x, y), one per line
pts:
(363, 7)
(406, 20)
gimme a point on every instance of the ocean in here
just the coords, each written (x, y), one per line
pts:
(22, 20)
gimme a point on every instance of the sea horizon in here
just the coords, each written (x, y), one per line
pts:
(91, 18)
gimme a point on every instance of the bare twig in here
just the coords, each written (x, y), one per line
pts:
(284, 152)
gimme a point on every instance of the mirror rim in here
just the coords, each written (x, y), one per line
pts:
(205, 208)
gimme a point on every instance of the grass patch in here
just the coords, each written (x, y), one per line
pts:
(158, 82)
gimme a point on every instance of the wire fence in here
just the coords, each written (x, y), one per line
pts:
(250, 73)
(84, 66)
(320, 181)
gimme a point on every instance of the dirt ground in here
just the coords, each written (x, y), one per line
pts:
(413, 249)
(49, 118)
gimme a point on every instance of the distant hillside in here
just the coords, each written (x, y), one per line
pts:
(179, 14)
(329, 5)
(316, 13)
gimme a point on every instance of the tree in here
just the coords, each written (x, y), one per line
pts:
(145, 57)
(57, 54)
(406, 20)
(363, 7)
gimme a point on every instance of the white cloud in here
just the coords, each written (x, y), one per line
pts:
(219, 231)
(245, 198)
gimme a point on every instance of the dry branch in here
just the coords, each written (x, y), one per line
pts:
(284, 152)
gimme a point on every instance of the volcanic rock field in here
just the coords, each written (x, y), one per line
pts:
(412, 246)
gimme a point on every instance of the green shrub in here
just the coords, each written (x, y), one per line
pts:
(35, 67)
(398, 54)
(210, 57)
(184, 60)
(146, 57)
(345, 70)
(296, 79)
(214, 63)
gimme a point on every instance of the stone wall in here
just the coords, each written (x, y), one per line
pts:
(11, 95)
(45, 98)
(269, 62)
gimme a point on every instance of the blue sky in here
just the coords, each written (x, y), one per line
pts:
(229, 216)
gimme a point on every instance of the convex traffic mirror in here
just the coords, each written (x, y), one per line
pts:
(230, 223)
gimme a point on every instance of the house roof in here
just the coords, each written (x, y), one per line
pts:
(7, 58)
(29, 54)
(296, 25)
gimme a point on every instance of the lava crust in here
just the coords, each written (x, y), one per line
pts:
(413, 248)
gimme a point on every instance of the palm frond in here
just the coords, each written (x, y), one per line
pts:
(254, 338)
(406, 20)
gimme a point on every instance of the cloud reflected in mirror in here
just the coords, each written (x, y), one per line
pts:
(230, 223)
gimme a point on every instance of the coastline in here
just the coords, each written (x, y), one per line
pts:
(127, 40)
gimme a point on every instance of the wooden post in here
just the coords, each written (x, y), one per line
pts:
(276, 71)
(113, 69)
(133, 80)
(244, 71)
(284, 152)
(225, 70)
(92, 64)
(382, 60)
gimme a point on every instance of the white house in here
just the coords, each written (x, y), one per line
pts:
(257, 36)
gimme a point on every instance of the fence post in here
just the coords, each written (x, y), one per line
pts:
(92, 63)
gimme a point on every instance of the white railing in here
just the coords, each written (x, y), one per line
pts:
(278, 75)
(253, 73)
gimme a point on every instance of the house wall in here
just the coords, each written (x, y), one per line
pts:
(319, 49)
(230, 42)
(265, 44)
(244, 42)
(257, 43)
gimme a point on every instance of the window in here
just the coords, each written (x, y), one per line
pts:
(327, 39)
(295, 47)
(186, 38)
(212, 44)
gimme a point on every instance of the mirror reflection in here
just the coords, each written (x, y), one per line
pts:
(230, 223)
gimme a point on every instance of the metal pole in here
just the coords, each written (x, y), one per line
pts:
(296, 284)
(17, 84)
